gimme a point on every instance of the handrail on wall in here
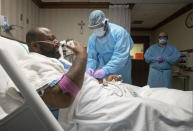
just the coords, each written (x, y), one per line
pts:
(188, 50)
(13, 39)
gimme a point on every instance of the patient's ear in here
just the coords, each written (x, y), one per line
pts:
(35, 47)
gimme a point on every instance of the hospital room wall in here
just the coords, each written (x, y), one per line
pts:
(181, 37)
(64, 23)
(0, 7)
(20, 12)
(144, 33)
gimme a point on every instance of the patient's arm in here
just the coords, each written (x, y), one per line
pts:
(54, 96)
(76, 72)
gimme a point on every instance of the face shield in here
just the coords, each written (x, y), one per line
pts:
(97, 22)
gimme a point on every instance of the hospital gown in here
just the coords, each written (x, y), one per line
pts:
(111, 53)
(160, 74)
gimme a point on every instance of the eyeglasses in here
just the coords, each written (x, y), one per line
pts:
(165, 37)
(99, 25)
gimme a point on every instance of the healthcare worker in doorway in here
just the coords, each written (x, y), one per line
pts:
(161, 56)
(108, 48)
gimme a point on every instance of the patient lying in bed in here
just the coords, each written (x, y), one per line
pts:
(110, 105)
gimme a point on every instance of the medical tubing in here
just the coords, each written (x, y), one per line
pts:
(68, 86)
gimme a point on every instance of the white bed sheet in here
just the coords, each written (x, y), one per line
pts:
(99, 109)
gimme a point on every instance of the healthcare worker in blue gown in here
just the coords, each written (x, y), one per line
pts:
(161, 56)
(108, 48)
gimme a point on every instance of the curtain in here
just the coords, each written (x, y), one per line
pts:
(120, 15)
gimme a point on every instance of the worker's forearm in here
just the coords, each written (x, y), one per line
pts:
(76, 72)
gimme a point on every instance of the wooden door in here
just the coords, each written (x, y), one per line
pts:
(140, 68)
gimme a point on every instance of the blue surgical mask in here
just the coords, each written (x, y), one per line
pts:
(162, 41)
(99, 32)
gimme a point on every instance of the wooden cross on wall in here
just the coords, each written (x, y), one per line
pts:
(81, 24)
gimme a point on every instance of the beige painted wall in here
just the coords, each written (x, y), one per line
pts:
(0, 7)
(182, 38)
(64, 23)
(13, 9)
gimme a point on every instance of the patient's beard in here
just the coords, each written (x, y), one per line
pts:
(52, 53)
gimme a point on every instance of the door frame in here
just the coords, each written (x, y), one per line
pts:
(142, 39)
(139, 66)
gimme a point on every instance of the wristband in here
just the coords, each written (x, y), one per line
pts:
(67, 85)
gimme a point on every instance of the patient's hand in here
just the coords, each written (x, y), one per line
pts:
(110, 78)
(78, 49)
(77, 70)
(113, 77)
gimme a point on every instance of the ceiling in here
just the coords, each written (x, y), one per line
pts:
(124, 1)
(151, 12)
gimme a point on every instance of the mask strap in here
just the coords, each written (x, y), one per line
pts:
(105, 25)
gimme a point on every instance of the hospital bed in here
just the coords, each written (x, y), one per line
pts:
(32, 115)
(90, 110)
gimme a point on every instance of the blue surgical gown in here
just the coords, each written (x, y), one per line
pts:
(160, 74)
(111, 52)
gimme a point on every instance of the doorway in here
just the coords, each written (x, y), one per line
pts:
(140, 68)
